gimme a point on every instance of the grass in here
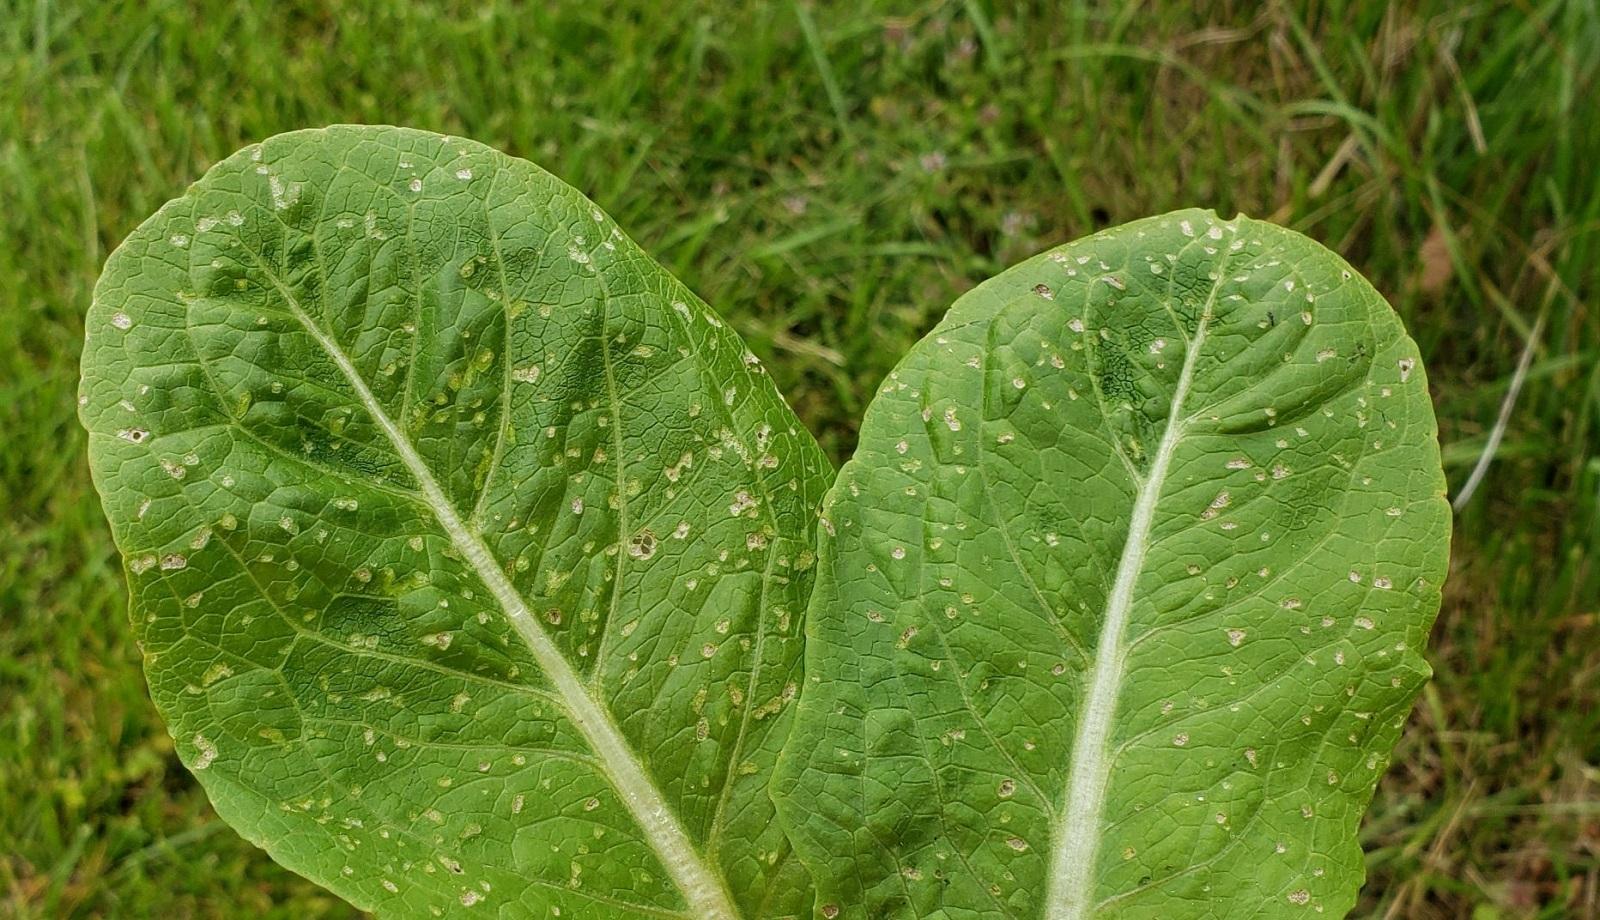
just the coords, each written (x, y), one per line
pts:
(832, 176)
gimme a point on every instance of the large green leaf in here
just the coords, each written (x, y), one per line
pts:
(1121, 601)
(467, 548)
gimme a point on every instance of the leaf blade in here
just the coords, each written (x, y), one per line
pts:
(966, 633)
(254, 332)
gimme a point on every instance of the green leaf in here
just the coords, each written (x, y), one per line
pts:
(467, 548)
(1121, 602)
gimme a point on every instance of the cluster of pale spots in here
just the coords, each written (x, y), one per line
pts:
(468, 550)
(1120, 602)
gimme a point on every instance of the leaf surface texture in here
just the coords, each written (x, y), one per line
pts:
(1122, 599)
(468, 549)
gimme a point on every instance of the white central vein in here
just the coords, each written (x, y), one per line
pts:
(702, 888)
(1072, 877)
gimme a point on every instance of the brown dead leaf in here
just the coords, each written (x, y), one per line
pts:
(1434, 268)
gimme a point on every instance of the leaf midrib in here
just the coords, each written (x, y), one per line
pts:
(1075, 850)
(701, 887)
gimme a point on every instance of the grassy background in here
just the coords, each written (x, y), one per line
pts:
(831, 177)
